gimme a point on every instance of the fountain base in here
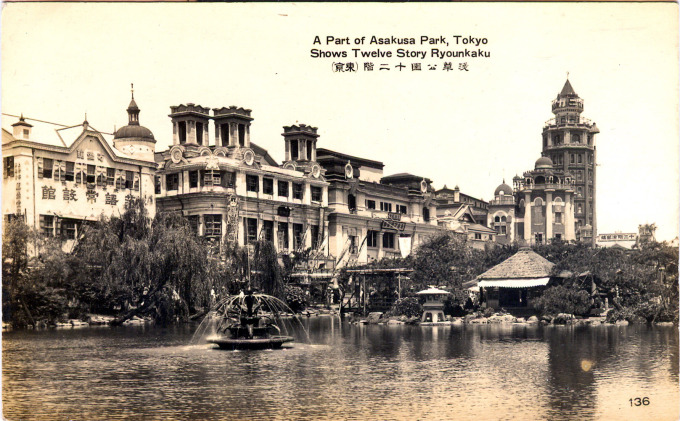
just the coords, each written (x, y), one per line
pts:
(272, 342)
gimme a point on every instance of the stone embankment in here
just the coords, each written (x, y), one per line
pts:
(496, 318)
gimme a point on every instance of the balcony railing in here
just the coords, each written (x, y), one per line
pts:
(503, 201)
(580, 122)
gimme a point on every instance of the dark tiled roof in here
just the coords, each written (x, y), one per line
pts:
(567, 90)
(521, 265)
(259, 150)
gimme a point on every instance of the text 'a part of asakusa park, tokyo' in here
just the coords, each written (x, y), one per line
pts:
(357, 47)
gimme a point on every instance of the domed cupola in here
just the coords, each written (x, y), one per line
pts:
(133, 139)
(544, 163)
(503, 190)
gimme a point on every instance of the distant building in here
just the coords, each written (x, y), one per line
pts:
(463, 222)
(556, 200)
(373, 217)
(65, 175)
(569, 141)
(450, 201)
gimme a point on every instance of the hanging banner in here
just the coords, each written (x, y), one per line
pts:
(405, 246)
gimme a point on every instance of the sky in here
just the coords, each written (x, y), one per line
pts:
(471, 128)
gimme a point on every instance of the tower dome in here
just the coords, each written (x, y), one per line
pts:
(503, 188)
(133, 139)
(544, 163)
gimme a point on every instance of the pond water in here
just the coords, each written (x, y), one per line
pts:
(345, 372)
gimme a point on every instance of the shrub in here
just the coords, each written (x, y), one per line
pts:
(560, 299)
(408, 306)
(296, 298)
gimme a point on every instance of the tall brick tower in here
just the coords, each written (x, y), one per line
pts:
(569, 141)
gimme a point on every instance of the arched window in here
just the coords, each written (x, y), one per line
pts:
(575, 138)
(558, 201)
(504, 219)
(538, 202)
(540, 180)
(497, 219)
(522, 204)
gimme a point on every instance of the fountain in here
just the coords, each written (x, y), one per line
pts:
(249, 320)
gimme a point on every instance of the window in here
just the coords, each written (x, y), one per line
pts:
(228, 179)
(199, 133)
(504, 219)
(90, 178)
(283, 188)
(252, 183)
(172, 181)
(211, 178)
(101, 177)
(157, 184)
(110, 176)
(571, 158)
(242, 134)
(47, 225)
(579, 191)
(372, 239)
(315, 237)
(388, 240)
(426, 214)
(268, 185)
(401, 209)
(558, 217)
(557, 140)
(575, 138)
(8, 165)
(352, 244)
(268, 230)
(478, 236)
(579, 209)
(68, 229)
(316, 194)
(538, 202)
(130, 179)
(309, 151)
(497, 219)
(47, 168)
(298, 191)
(251, 229)
(193, 223)
(193, 179)
(69, 175)
(298, 240)
(502, 230)
(213, 226)
(282, 236)
(385, 207)
(370, 204)
(352, 203)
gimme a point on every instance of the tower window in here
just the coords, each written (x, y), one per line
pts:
(172, 181)
(294, 152)
(309, 150)
(242, 134)
(224, 134)
(571, 158)
(182, 131)
(199, 133)
(538, 202)
(193, 179)
(426, 214)
(575, 138)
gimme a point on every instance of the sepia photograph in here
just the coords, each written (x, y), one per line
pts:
(296, 211)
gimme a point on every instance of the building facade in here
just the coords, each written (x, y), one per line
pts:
(372, 216)
(231, 190)
(56, 177)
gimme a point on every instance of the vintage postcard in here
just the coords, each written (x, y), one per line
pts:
(340, 211)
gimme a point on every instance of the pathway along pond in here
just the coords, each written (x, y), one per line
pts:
(347, 372)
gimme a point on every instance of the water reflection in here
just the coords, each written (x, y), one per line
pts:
(349, 372)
